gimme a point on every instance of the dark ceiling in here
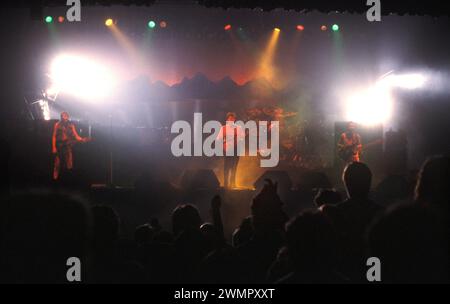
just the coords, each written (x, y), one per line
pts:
(400, 7)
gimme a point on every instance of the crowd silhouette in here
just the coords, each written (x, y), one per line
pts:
(330, 243)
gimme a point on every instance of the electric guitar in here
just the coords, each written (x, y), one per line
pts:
(346, 152)
(72, 142)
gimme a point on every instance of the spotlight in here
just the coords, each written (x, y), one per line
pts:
(109, 22)
(60, 19)
(163, 24)
(80, 76)
(227, 27)
(300, 27)
(335, 27)
(51, 93)
(151, 24)
(406, 81)
(49, 19)
(277, 29)
(371, 106)
(323, 28)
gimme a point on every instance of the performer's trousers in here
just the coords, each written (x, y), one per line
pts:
(230, 167)
(63, 161)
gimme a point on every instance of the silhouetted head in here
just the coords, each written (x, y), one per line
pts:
(357, 178)
(65, 117)
(231, 116)
(208, 229)
(143, 234)
(210, 234)
(267, 209)
(432, 185)
(155, 225)
(243, 233)
(185, 217)
(311, 241)
(327, 197)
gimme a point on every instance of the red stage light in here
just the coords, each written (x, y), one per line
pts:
(60, 19)
(300, 27)
(227, 27)
(323, 28)
(163, 24)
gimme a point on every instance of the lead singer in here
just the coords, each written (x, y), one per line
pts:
(231, 157)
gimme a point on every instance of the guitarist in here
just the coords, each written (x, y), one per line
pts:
(349, 144)
(64, 136)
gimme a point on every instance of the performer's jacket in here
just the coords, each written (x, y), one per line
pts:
(239, 135)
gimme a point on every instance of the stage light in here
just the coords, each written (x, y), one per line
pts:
(109, 22)
(406, 81)
(300, 27)
(335, 27)
(151, 24)
(60, 19)
(81, 77)
(227, 27)
(51, 93)
(45, 109)
(371, 106)
(266, 67)
(49, 19)
(323, 28)
(163, 24)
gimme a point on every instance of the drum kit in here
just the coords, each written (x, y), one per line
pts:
(292, 143)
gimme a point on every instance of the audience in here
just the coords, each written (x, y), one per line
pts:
(412, 245)
(268, 220)
(392, 190)
(328, 244)
(327, 197)
(432, 187)
(351, 219)
(311, 250)
(40, 231)
(190, 243)
(143, 234)
(243, 233)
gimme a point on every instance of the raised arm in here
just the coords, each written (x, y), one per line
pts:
(216, 203)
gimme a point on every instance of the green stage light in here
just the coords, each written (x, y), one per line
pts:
(48, 19)
(151, 24)
(335, 27)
